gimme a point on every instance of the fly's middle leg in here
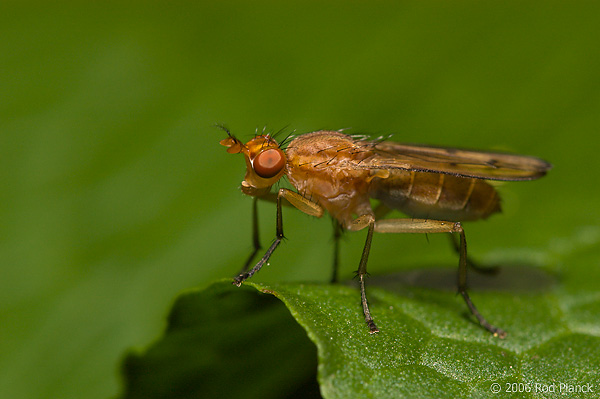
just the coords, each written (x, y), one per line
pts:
(361, 273)
(337, 234)
(438, 226)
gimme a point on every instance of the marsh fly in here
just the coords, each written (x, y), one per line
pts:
(438, 188)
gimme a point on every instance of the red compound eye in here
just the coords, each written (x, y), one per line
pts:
(269, 163)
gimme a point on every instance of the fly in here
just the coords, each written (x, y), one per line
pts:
(438, 188)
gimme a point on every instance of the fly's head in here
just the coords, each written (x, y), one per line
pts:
(265, 162)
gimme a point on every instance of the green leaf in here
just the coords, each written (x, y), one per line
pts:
(428, 345)
(225, 342)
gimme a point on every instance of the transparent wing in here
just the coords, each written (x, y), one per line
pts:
(468, 163)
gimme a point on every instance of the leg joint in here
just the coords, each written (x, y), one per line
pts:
(457, 228)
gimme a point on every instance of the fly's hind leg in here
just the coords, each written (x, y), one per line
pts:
(462, 286)
(437, 226)
(455, 242)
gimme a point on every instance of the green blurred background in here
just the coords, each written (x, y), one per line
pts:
(116, 195)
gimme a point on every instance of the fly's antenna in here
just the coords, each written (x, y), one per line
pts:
(224, 128)
(233, 145)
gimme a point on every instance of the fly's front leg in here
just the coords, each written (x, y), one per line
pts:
(238, 280)
(270, 197)
(437, 226)
(255, 235)
(299, 202)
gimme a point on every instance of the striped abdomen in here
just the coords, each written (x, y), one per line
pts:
(437, 196)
